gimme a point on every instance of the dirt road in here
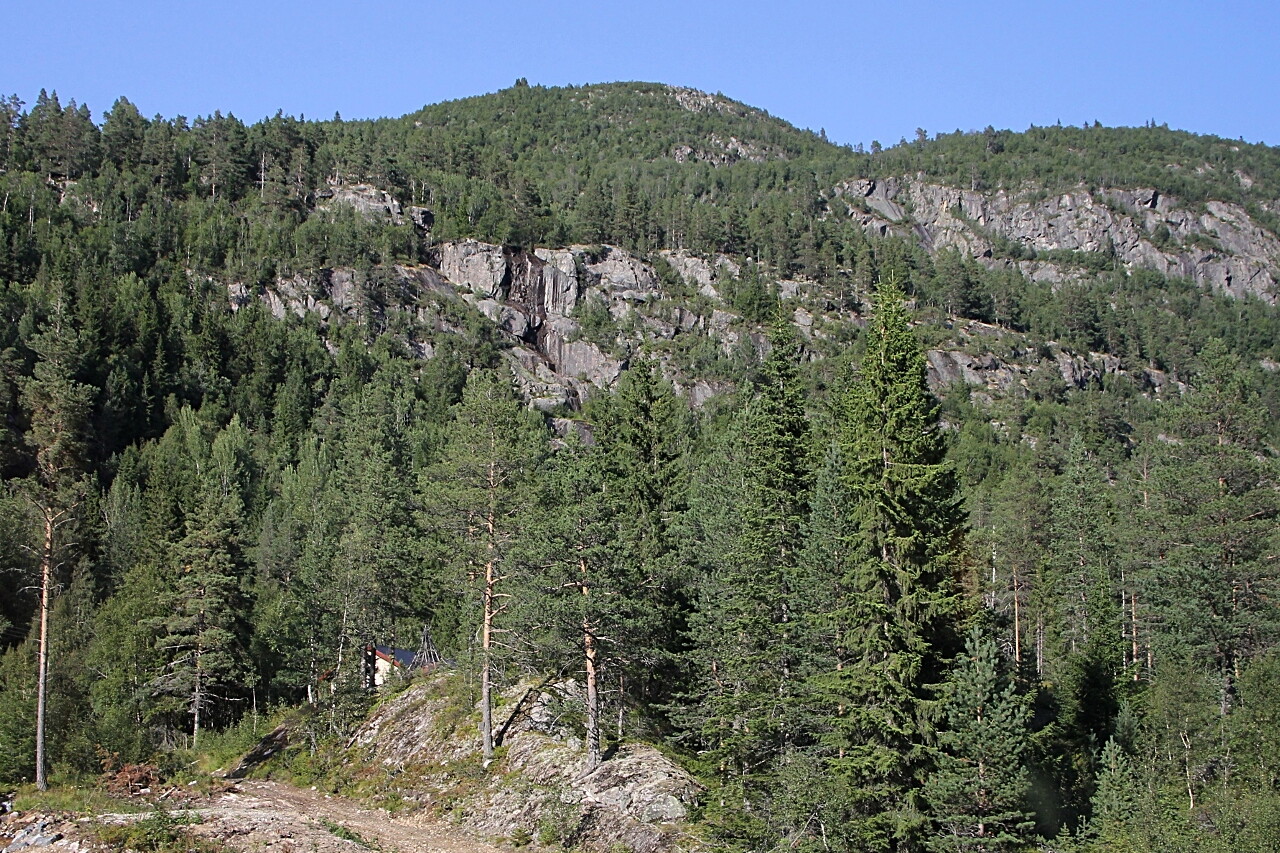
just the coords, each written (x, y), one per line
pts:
(261, 816)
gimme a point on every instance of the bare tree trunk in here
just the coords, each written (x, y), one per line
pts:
(593, 698)
(1133, 628)
(486, 679)
(1039, 644)
(490, 606)
(622, 706)
(593, 692)
(342, 644)
(197, 699)
(1186, 766)
(42, 663)
(1017, 620)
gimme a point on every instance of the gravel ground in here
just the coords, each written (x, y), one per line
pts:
(268, 816)
(262, 816)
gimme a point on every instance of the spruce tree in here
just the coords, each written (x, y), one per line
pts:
(892, 615)
(752, 502)
(642, 431)
(202, 637)
(375, 557)
(59, 407)
(299, 610)
(1082, 558)
(1115, 806)
(200, 640)
(1220, 487)
(1086, 637)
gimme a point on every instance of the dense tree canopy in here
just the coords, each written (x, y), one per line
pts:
(212, 508)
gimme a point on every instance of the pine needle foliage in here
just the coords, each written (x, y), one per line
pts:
(893, 614)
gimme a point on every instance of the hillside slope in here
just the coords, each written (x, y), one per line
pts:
(297, 389)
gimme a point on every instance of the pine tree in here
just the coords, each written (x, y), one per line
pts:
(574, 607)
(978, 791)
(472, 499)
(59, 408)
(1010, 529)
(892, 615)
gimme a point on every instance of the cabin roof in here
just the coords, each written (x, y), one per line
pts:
(396, 657)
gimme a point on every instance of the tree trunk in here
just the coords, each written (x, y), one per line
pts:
(593, 693)
(1017, 622)
(42, 663)
(593, 699)
(486, 687)
(622, 708)
(1133, 599)
(490, 608)
(197, 699)
(1039, 644)
(342, 644)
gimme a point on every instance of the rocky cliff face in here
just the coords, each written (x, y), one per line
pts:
(1012, 372)
(371, 203)
(537, 301)
(534, 298)
(1217, 245)
(573, 316)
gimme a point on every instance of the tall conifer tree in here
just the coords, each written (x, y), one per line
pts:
(472, 499)
(1220, 485)
(642, 433)
(892, 617)
(979, 791)
(202, 637)
(747, 652)
(59, 409)
(575, 606)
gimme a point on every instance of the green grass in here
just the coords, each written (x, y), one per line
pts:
(75, 799)
(347, 834)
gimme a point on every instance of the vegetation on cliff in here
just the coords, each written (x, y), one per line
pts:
(225, 506)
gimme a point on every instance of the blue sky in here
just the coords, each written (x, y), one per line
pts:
(860, 70)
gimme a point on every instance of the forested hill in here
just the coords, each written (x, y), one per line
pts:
(835, 473)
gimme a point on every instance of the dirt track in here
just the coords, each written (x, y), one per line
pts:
(261, 816)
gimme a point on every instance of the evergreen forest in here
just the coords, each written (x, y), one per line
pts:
(866, 612)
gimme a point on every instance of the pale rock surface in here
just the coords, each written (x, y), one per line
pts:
(636, 797)
(367, 200)
(479, 267)
(1079, 220)
(699, 272)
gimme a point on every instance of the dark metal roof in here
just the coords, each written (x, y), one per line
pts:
(401, 657)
